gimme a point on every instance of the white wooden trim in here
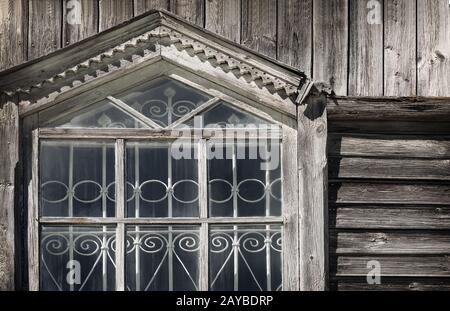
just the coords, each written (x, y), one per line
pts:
(194, 112)
(120, 213)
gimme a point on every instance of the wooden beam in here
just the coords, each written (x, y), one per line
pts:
(313, 205)
(9, 142)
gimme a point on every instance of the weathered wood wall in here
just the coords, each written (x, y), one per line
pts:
(406, 54)
(389, 196)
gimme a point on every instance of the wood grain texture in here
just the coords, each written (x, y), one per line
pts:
(9, 140)
(400, 48)
(391, 242)
(389, 193)
(433, 44)
(191, 10)
(369, 168)
(224, 18)
(365, 51)
(13, 33)
(44, 29)
(330, 44)
(392, 146)
(394, 266)
(114, 12)
(389, 127)
(386, 108)
(313, 205)
(80, 29)
(294, 34)
(392, 284)
(259, 26)
(142, 6)
(389, 217)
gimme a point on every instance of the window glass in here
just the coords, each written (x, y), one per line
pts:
(162, 258)
(164, 100)
(77, 179)
(77, 258)
(99, 115)
(245, 258)
(158, 184)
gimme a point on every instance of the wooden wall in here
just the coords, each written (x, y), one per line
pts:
(389, 192)
(407, 54)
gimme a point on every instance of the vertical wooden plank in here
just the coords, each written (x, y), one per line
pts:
(433, 47)
(44, 31)
(366, 49)
(80, 20)
(291, 251)
(120, 213)
(400, 48)
(9, 142)
(203, 205)
(313, 205)
(259, 26)
(114, 12)
(295, 34)
(224, 18)
(191, 10)
(330, 43)
(33, 223)
(142, 6)
(13, 32)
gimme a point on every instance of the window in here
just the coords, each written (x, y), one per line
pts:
(163, 187)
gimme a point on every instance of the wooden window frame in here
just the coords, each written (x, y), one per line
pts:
(289, 219)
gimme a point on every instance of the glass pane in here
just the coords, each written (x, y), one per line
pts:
(99, 115)
(162, 258)
(77, 179)
(244, 179)
(159, 184)
(225, 114)
(77, 258)
(245, 258)
(164, 100)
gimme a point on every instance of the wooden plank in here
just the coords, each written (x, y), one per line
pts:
(391, 243)
(433, 44)
(400, 48)
(291, 247)
(393, 284)
(9, 140)
(259, 26)
(330, 44)
(366, 49)
(33, 215)
(394, 266)
(389, 193)
(224, 18)
(13, 33)
(120, 213)
(369, 168)
(389, 146)
(78, 27)
(390, 217)
(114, 12)
(191, 10)
(389, 127)
(294, 34)
(44, 31)
(386, 108)
(142, 6)
(313, 205)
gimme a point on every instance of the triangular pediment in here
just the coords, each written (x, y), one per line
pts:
(156, 36)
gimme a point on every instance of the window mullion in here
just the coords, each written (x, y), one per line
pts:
(33, 217)
(120, 213)
(203, 205)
